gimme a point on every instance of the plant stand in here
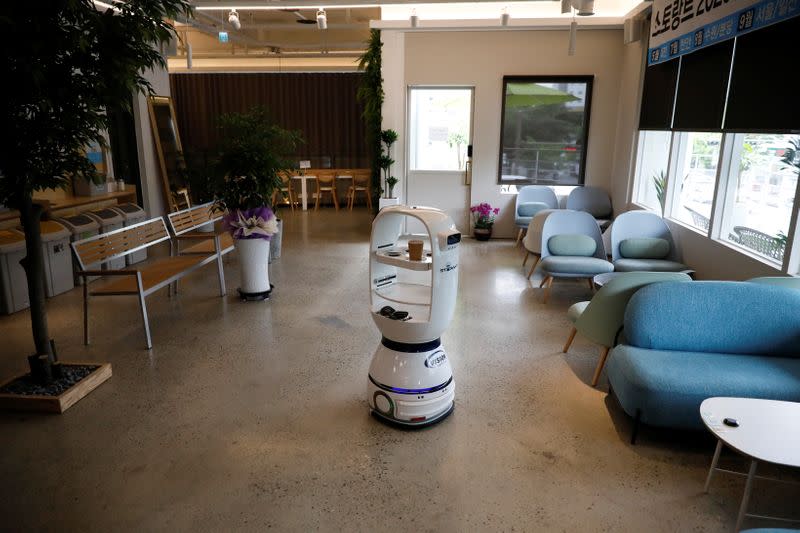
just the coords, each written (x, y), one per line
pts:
(59, 403)
(254, 268)
(383, 202)
(482, 234)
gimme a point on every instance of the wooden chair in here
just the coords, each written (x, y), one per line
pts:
(345, 177)
(285, 193)
(361, 183)
(326, 183)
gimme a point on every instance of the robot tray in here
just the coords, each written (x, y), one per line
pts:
(399, 258)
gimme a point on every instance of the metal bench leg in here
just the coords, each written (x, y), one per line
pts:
(85, 312)
(144, 310)
(220, 271)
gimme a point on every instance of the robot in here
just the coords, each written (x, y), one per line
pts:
(412, 302)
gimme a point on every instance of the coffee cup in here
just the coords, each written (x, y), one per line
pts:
(415, 250)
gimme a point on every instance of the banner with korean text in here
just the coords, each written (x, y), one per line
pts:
(678, 27)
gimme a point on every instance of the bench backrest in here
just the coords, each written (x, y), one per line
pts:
(108, 246)
(191, 219)
(715, 317)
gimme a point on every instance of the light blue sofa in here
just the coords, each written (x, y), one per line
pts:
(685, 342)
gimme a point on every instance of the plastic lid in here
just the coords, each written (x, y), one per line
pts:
(52, 231)
(106, 216)
(80, 222)
(11, 240)
(129, 208)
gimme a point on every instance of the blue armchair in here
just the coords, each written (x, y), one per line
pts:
(592, 200)
(530, 200)
(641, 242)
(572, 247)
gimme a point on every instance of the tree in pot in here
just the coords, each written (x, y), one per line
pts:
(388, 138)
(72, 65)
(254, 151)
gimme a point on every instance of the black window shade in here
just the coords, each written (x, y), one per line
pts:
(763, 94)
(658, 96)
(702, 88)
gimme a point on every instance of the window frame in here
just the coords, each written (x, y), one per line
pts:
(588, 79)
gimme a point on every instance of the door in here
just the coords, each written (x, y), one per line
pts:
(439, 150)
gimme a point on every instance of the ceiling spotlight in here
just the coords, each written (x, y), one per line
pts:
(505, 17)
(585, 8)
(322, 19)
(233, 19)
(414, 18)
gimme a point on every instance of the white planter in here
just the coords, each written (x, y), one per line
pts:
(254, 266)
(275, 243)
(383, 202)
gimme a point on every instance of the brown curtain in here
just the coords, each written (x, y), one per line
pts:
(322, 105)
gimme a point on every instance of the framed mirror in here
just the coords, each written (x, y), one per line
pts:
(170, 152)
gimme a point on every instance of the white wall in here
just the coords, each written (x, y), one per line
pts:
(481, 59)
(149, 168)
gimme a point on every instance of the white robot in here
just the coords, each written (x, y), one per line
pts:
(412, 302)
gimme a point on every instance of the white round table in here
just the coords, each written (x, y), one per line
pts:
(768, 430)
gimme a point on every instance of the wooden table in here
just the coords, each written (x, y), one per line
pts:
(768, 430)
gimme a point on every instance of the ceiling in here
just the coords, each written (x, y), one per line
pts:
(283, 33)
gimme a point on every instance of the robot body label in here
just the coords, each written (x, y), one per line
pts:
(437, 358)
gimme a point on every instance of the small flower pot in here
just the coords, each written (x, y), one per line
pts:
(482, 234)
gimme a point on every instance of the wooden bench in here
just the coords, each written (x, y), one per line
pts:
(185, 226)
(141, 279)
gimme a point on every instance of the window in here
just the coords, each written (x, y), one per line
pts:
(760, 195)
(651, 170)
(545, 125)
(439, 128)
(695, 177)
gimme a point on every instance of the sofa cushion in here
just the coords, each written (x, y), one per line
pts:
(529, 209)
(648, 265)
(644, 248)
(567, 244)
(574, 266)
(715, 316)
(667, 387)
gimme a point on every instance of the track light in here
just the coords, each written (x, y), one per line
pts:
(189, 56)
(585, 8)
(573, 37)
(414, 19)
(233, 20)
(322, 19)
(504, 17)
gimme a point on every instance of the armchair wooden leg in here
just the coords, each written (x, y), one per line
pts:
(527, 253)
(548, 284)
(600, 364)
(591, 285)
(569, 340)
(519, 237)
(533, 267)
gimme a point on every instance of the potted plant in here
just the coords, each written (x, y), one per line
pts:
(254, 151)
(70, 76)
(483, 216)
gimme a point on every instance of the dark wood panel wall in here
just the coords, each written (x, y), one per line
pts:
(322, 105)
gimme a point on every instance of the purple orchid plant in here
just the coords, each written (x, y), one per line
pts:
(254, 223)
(483, 215)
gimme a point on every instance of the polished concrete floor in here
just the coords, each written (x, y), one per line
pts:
(251, 416)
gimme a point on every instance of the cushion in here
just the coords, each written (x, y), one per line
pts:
(576, 310)
(648, 265)
(574, 245)
(669, 386)
(574, 266)
(644, 248)
(529, 209)
(715, 316)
